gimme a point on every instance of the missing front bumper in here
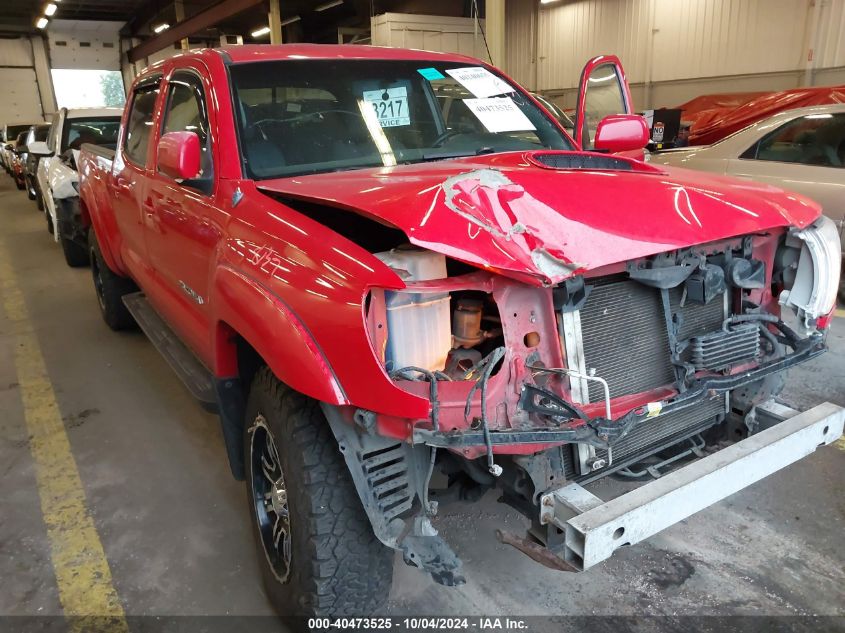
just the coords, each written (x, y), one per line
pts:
(591, 530)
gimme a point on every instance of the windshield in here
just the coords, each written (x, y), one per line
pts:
(311, 116)
(99, 131)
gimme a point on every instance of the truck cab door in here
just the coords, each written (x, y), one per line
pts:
(129, 176)
(183, 226)
(602, 92)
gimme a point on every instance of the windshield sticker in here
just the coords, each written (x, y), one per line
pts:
(432, 74)
(479, 81)
(499, 114)
(390, 105)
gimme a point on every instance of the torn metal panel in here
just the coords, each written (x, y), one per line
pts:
(504, 212)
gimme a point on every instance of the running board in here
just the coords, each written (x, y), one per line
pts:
(590, 529)
(196, 376)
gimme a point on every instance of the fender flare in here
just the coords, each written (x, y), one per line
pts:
(274, 330)
(103, 224)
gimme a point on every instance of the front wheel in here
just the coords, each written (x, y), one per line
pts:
(319, 556)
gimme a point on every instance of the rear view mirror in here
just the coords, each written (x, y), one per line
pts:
(621, 133)
(39, 148)
(179, 155)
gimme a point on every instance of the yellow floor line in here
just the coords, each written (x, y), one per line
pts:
(840, 312)
(79, 561)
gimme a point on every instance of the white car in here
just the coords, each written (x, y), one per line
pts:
(802, 150)
(58, 180)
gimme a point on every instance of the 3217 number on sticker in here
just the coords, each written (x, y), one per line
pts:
(390, 106)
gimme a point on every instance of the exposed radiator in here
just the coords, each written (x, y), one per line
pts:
(624, 334)
(666, 430)
(624, 339)
(652, 435)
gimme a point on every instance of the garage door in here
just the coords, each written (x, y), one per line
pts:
(21, 102)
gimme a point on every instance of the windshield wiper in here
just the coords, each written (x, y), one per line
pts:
(464, 154)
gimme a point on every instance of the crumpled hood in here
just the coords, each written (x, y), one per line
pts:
(506, 212)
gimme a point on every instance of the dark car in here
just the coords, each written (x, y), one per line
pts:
(19, 156)
(37, 132)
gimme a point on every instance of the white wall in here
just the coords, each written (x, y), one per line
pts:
(673, 50)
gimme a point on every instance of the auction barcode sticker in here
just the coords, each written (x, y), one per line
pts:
(390, 105)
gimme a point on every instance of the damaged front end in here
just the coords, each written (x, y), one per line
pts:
(626, 369)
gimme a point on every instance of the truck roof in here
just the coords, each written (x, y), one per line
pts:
(269, 52)
(83, 113)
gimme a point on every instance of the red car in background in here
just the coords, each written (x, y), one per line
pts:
(377, 263)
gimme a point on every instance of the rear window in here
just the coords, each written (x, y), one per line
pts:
(140, 124)
(96, 130)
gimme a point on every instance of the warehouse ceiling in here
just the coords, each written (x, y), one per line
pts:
(311, 20)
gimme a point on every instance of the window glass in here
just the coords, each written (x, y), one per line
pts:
(96, 130)
(41, 132)
(13, 131)
(186, 111)
(604, 96)
(814, 139)
(52, 139)
(299, 117)
(140, 125)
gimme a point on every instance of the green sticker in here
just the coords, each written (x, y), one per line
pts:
(430, 73)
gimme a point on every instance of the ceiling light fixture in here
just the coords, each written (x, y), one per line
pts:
(328, 5)
(547, 1)
(295, 18)
(264, 30)
(50, 9)
(161, 27)
(42, 22)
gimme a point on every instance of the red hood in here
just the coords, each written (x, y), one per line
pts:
(505, 212)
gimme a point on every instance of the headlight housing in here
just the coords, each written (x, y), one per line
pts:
(812, 293)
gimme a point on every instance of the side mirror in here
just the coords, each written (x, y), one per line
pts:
(179, 155)
(621, 133)
(39, 148)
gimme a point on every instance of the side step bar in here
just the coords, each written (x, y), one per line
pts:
(196, 376)
(592, 529)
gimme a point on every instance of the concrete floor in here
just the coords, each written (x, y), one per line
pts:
(174, 524)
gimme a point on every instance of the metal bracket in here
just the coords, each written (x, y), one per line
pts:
(390, 477)
(593, 530)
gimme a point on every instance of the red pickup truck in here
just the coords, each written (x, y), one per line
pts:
(401, 284)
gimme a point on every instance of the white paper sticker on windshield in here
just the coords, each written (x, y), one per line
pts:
(499, 114)
(390, 105)
(479, 81)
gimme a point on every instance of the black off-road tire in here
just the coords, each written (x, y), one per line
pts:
(50, 228)
(109, 288)
(337, 566)
(76, 255)
(39, 199)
